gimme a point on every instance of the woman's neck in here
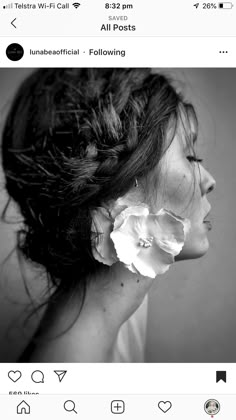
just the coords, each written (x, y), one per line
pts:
(112, 297)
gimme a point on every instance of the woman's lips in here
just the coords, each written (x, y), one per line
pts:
(208, 224)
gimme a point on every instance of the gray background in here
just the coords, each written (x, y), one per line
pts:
(192, 312)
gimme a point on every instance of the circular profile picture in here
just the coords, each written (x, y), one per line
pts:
(14, 52)
(212, 407)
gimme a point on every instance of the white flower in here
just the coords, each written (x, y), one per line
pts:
(145, 243)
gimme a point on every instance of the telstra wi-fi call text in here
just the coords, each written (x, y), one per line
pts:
(39, 6)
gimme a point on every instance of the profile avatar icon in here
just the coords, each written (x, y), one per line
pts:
(14, 52)
(212, 407)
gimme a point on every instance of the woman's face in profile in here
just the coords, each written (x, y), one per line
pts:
(183, 189)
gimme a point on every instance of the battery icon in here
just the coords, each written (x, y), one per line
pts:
(225, 5)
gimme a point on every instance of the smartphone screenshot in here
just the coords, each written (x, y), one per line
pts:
(117, 204)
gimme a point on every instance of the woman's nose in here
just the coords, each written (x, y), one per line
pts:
(208, 183)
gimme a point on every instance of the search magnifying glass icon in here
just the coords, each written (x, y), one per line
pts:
(69, 406)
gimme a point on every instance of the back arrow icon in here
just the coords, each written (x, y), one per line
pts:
(12, 23)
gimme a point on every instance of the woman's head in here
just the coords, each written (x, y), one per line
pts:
(77, 138)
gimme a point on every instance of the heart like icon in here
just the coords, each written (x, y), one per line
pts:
(164, 406)
(14, 375)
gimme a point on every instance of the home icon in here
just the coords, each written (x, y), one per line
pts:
(23, 408)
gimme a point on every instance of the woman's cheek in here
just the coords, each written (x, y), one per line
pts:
(179, 193)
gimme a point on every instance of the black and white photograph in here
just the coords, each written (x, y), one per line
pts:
(117, 205)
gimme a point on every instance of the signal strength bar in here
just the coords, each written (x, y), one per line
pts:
(8, 6)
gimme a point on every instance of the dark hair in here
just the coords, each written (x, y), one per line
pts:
(73, 139)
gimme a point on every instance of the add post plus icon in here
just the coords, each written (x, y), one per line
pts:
(117, 407)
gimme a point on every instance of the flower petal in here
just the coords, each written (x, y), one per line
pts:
(128, 200)
(126, 246)
(125, 235)
(102, 245)
(166, 240)
(171, 231)
(129, 211)
(169, 217)
(153, 261)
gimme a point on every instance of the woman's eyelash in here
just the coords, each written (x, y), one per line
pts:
(194, 159)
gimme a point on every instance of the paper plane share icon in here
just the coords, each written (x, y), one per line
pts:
(60, 374)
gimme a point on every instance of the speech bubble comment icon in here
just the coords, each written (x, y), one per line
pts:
(37, 377)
